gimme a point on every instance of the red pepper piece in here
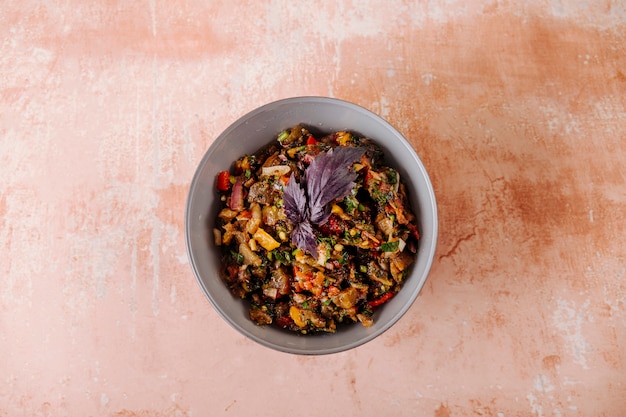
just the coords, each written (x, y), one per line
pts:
(381, 300)
(334, 226)
(414, 232)
(223, 181)
(311, 140)
(284, 322)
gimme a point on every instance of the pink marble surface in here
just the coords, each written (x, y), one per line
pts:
(518, 110)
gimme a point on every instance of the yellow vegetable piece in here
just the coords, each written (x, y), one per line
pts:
(339, 212)
(336, 209)
(296, 316)
(343, 138)
(265, 239)
(292, 152)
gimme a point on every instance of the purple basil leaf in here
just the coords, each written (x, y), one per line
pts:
(303, 237)
(329, 177)
(294, 201)
(320, 216)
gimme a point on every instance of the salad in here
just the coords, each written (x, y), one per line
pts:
(314, 232)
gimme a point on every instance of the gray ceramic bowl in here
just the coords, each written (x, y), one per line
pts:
(258, 128)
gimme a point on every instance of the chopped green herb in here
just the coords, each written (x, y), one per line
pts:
(328, 241)
(237, 257)
(351, 203)
(392, 176)
(390, 246)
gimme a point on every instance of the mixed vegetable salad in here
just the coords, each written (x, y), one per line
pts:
(314, 232)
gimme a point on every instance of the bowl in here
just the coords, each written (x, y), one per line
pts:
(321, 115)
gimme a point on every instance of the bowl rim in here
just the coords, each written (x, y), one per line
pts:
(431, 248)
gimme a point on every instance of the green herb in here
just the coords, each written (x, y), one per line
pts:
(237, 257)
(382, 197)
(392, 177)
(351, 203)
(390, 246)
(328, 241)
(363, 268)
(284, 258)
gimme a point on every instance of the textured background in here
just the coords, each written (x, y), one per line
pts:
(518, 110)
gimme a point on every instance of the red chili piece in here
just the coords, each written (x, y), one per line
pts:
(381, 300)
(284, 321)
(223, 181)
(334, 226)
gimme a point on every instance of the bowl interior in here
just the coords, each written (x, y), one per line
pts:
(249, 133)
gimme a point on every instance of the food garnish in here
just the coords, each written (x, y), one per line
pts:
(327, 178)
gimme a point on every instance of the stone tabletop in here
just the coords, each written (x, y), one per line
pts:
(517, 109)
